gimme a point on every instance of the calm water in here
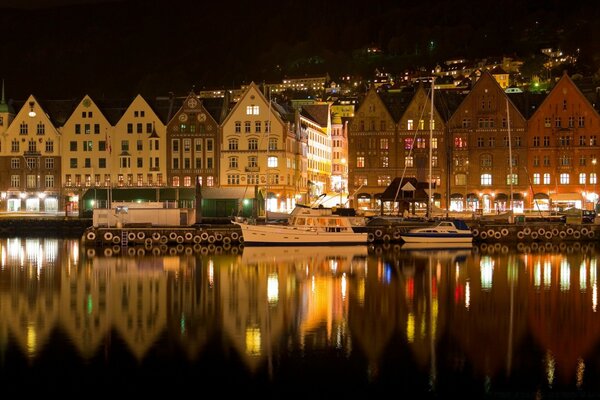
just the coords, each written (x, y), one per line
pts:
(494, 322)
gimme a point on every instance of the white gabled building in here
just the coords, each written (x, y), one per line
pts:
(85, 152)
(259, 151)
(137, 148)
(30, 161)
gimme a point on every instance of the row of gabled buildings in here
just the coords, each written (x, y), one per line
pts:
(480, 148)
(69, 156)
(487, 147)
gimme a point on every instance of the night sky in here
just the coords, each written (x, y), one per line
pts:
(60, 49)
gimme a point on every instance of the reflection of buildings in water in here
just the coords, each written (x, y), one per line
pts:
(563, 313)
(258, 304)
(29, 272)
(489, 308)
(483, 307)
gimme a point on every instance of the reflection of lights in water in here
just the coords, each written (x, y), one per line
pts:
(550, 367)
(14, 251)
(211, 273)
(410, 328)
(565, 275)
(51, 250)
(182, 324)
(361, 291)
(387, 273)
(486, 266)
(537, 274)
(312, 284)
(253, 341)
(467, 294)
(344, 286)
(273, 288)
(594, 297)
(90, 304)
(593, 271)
(31, 339)
(547, 274)
(580, 371)
(582, 277)
(333, 265)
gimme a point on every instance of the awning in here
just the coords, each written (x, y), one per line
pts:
(456, 196)
(558, 197)
(501, 197)
(540, 196)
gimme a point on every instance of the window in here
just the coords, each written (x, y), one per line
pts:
(233, 162)
(238, 126)
(124, 145)
(233, 144)
(486, 160)
(272, 162)
(460, 179)
(582, 161)
(49, 163)
(546, 178)
(257, 126)
(593, 178)
(140, 145)
(384, 144)
(15, 163)
(50, 146)
(175, 181)
(233, 179)
(187, 181)
(252, 161)
(434, 143)
(408, 161)
(434, 161)
(87, 145)
(486, 179)
(536, 179)
(385, 162)
(409, 124)
(49, 181)
(41, 129)
(187, 145)
(564, 178)
(272, 143)
(14, 146)
(582, 178)
(253, 144)
(198, 145)
(512, 179)
(536, 161)
(252, 110)
(547, 122)
(408, 143)
(73, 163)
(546, 161)
(360, 162)
(384, 180)
(247, 127)
(15, 181)
(480, 142)
(557, 123)
(536, 141)
(546, 141)
(73, 145)
(581, 122)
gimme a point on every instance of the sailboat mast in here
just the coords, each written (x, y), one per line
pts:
(430, 194)
(510, 159)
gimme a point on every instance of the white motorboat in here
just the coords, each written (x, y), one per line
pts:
(306, 226)
(455, 231)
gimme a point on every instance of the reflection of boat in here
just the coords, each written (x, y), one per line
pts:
(255, 254)
(309, 259)
(436, 245)
(306, 225)
(445, 232)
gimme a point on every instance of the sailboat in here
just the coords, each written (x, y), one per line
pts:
(445, 232)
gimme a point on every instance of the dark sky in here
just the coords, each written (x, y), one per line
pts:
(57, 49)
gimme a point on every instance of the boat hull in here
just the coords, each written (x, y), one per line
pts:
(436, 238)
(284, 235)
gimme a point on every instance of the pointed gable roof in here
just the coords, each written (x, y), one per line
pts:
(318, 113)
(564, 83)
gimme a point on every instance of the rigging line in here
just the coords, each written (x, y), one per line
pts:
(411, 148)
(510, 159)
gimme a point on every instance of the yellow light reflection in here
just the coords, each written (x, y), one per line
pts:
(594, 297)
(31, 339)
(580, 371)
(211, 273)
(253, 341)
(547, 280)
(565, 275)
(537, 274)
(582, 277)
(273, 288)
(360, 295)
(410, 328)
(486, 265)
(344, 286)
(468, 295)
(550, 366)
